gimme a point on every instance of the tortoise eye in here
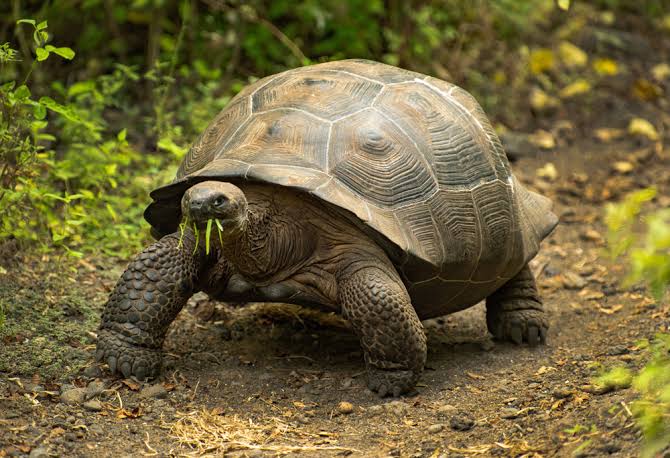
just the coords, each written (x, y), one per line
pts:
(220, 201)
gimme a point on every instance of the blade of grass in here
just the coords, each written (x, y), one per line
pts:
(208, 232)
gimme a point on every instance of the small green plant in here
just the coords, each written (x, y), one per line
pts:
(649, 257)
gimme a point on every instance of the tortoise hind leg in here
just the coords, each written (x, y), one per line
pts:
(515, 312)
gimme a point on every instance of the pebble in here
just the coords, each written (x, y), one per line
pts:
(156, 391)
(446, 411)
(397, 408)
(345, 407)
(96, 429)
(93, 405)
(92, 372)
(573, 281)
(94, 388)
(561, 393)
(73, 396)
(39, 452)
(71, 420)
(434, 429)
(461, 422)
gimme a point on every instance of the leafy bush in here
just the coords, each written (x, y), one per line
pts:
(650, 262)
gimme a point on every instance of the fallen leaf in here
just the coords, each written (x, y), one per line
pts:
(544, 369)
(623, 167)
(541, 60)
(645, 90)
(131, 384)
(571, 55)
(540, 100)
(580, 86)
(563, 4)
(542, 139)
(660, 72)
(607, 134)
(125, 413)
(605, 67)
(558, 404)
(548, 172)
(642, 127)
(610, 310)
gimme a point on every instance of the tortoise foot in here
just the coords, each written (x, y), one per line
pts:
(518, 325)
(125, 358)
(386, 382)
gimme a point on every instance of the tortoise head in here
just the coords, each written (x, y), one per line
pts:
(217, 200)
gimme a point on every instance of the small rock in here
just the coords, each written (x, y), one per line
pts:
(618, 350)
(71, 420)
(573, 281)
(92, 372)
(156, 391)
(73, 396)
(486, 345)
(39, 452)
(94, 388)
(93, 405)
(561, 393)
(345, 407)
(461, 422)
(434, 429)
(397, 408)
(96, 429)
(446, 411)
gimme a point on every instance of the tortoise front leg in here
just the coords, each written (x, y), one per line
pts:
(376, 303)
(515, 312)
(146, 299)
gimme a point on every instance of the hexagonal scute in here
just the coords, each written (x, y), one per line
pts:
(326, 94)
(215, 137)
(281, 137)
(376, 160)
(451, 138)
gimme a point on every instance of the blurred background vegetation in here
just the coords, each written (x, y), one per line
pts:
(85, 132)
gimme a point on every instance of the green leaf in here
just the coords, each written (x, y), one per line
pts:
(42, 25)
(42, 54)
(26, 21)
(64, 52)
(121, 136)
(563, 4)
(22, 92)
(39, 111)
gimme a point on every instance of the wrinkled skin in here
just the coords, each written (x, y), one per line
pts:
(286, 247)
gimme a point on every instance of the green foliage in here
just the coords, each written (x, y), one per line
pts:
(650, 262)
(650, 258)
(615, 379)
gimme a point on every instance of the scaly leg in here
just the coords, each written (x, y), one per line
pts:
(146, 299)
(515, 311)
(378, 307)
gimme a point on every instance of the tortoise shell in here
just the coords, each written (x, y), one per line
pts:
(414, 159)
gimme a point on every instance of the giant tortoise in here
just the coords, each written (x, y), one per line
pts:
(373, 191)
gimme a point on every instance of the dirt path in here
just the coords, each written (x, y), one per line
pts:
(270, 379)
